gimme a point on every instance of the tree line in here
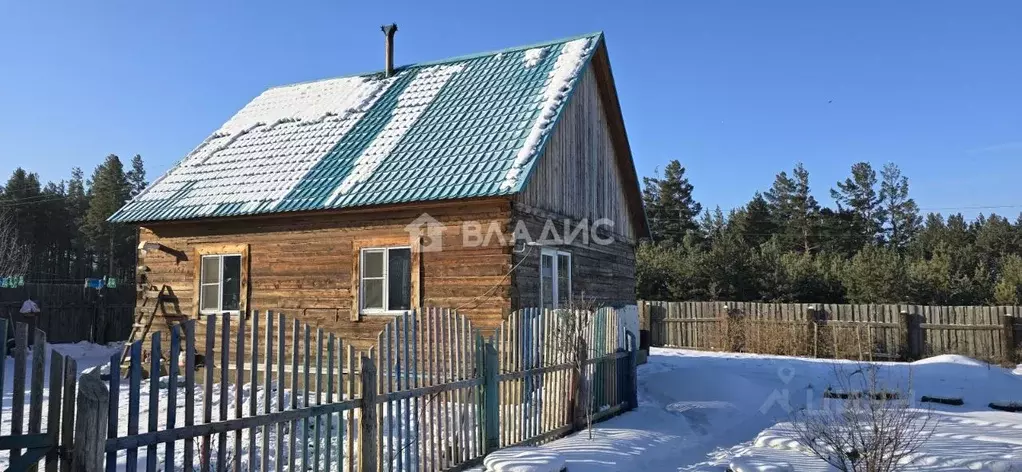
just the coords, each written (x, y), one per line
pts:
(872, 245)
(63, 225)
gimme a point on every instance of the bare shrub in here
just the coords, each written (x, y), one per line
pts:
(847, 341)
(14, 254)
(572, 337)
(783, 338)
(864, 425)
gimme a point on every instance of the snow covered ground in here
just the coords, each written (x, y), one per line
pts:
(702, 411)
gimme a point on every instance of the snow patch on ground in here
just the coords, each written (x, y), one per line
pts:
(745, 464)
(705, 411)
(524, 459)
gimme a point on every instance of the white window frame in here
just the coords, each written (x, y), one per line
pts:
(386, 285)
(219, 283)
(554, 292)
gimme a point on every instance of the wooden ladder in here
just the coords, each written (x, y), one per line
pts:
(139, 327)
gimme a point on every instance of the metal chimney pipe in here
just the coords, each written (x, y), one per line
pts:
(388, 31)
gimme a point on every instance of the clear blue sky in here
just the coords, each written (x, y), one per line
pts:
(736, 90)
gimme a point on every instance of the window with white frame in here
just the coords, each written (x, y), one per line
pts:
(220, 284)
(385, 280)
(554, 278)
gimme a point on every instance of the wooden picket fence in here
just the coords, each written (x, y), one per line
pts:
(539, 382)
(50, 422)
(888, 332)
(433, 394)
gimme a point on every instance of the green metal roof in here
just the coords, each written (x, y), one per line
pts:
(470, 126)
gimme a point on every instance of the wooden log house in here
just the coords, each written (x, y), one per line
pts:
(345, 201)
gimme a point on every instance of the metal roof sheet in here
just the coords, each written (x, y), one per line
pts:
(471, 126)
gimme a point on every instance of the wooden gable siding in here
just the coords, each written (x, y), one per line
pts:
(302, 265)
(579, 175)
(602, 272)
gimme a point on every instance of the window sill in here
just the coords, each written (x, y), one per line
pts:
(384, 312)
(231, 313)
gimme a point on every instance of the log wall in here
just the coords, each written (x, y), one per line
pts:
(602, 272)
(303, 264)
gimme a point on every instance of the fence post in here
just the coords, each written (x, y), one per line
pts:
(912, 326)
(577, 399)
(813, 329)
(1008, 336)
(644, 330)
(91, 425)
(491, 398)
(367, 422)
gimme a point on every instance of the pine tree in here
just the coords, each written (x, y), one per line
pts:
(929, 235)
(754, 222)
(875, 275)
(109, 191)
(1008, 290)
(136, 176)
(840, 232)
(858, 194)
(53, 243)
(794, 210)
(20, 200)
(77, 206)
(995, 237)
(670, 208)
(728, 266)
(902, 214)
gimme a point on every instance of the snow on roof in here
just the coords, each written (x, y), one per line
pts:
(468, 126)
(562, 78)
(533, 56)
(258, 156)
(412, 102)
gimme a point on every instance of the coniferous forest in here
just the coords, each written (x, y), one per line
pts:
(869, 244)
(62, 225)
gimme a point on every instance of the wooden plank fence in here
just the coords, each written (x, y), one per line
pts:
(867, 332)
(48, 432)
(70, 312)
(432, 394)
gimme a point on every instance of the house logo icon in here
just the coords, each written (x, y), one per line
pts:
(429, 230)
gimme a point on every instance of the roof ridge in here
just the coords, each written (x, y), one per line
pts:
(465, 57)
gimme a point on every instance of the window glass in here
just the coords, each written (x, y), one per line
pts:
(373, 264)
(399, 279)
(548, 294)
(220, 283)
(548, 266)
(386, 275)
(546, 272)
(210, 301)
(563, 280)
(231, 298)
(210, 269)
(372, 294)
